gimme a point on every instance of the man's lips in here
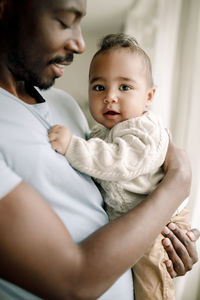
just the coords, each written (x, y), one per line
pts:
(58, 69)
(57, 64)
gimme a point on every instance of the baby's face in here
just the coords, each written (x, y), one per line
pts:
(118, 88)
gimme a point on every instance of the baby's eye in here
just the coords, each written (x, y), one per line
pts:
(124, 87)
(98, 87)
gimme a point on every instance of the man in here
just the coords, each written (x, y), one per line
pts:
(54, 238)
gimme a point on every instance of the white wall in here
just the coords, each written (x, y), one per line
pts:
(75, 79)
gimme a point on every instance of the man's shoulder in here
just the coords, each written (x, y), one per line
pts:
(66, 106)
(56, 94)
(60, 99)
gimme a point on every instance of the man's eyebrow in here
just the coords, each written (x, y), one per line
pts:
(72, 9)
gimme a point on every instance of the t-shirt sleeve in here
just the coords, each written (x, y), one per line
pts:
(9, 179)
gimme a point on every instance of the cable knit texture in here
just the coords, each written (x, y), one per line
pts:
(126, 160)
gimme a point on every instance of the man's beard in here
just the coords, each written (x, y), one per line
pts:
(31, 71)
(27, 72)
(36, 80)
(28, 66)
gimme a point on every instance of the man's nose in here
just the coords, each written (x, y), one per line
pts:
(76, 43)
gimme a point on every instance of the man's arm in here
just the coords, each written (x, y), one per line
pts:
(37, 252)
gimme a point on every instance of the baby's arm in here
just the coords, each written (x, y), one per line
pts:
(95, 157)
(125, 158)
(59, 137)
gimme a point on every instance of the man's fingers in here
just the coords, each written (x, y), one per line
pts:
(170, 268)
(180, 249)
(178, 267)
(193, 234)
(186, 243)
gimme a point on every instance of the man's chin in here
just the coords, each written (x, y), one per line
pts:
(45, 85)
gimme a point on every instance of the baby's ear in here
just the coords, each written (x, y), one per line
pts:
(150, 95)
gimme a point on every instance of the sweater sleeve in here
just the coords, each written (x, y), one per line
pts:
(135, 147)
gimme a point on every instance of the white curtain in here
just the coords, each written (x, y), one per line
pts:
(169, 31)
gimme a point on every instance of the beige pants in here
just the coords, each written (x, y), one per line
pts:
(151, 279)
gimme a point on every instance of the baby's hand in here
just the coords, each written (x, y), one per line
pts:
(59, 137)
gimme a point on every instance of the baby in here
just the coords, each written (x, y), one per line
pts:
(126, 149)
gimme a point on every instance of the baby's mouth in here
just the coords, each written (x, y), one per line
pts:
(111, 114)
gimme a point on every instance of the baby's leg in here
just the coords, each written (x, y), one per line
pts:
(151, 279)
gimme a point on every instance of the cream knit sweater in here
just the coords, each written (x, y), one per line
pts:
(126, 160)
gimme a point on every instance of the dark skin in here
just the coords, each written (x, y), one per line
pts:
(51, 36)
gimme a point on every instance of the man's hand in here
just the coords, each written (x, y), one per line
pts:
(59, 137)
(180, 248)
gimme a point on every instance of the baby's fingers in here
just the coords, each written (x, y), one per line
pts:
(54, 129)
(52, 136)
(55, 146)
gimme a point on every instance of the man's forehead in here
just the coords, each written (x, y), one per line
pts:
(79, 5)
(45, 5)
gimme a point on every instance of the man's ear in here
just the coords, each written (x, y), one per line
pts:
(150, 95)
(2, 5)
(5, 5)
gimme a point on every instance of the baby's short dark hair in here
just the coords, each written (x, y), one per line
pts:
(122, 40)
(117, 40)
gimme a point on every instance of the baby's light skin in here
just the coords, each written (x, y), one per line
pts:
(59, 137)
(115, 95)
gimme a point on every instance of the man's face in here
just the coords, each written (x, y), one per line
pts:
(48, 34)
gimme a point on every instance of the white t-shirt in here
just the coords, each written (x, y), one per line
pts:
(26, 154)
